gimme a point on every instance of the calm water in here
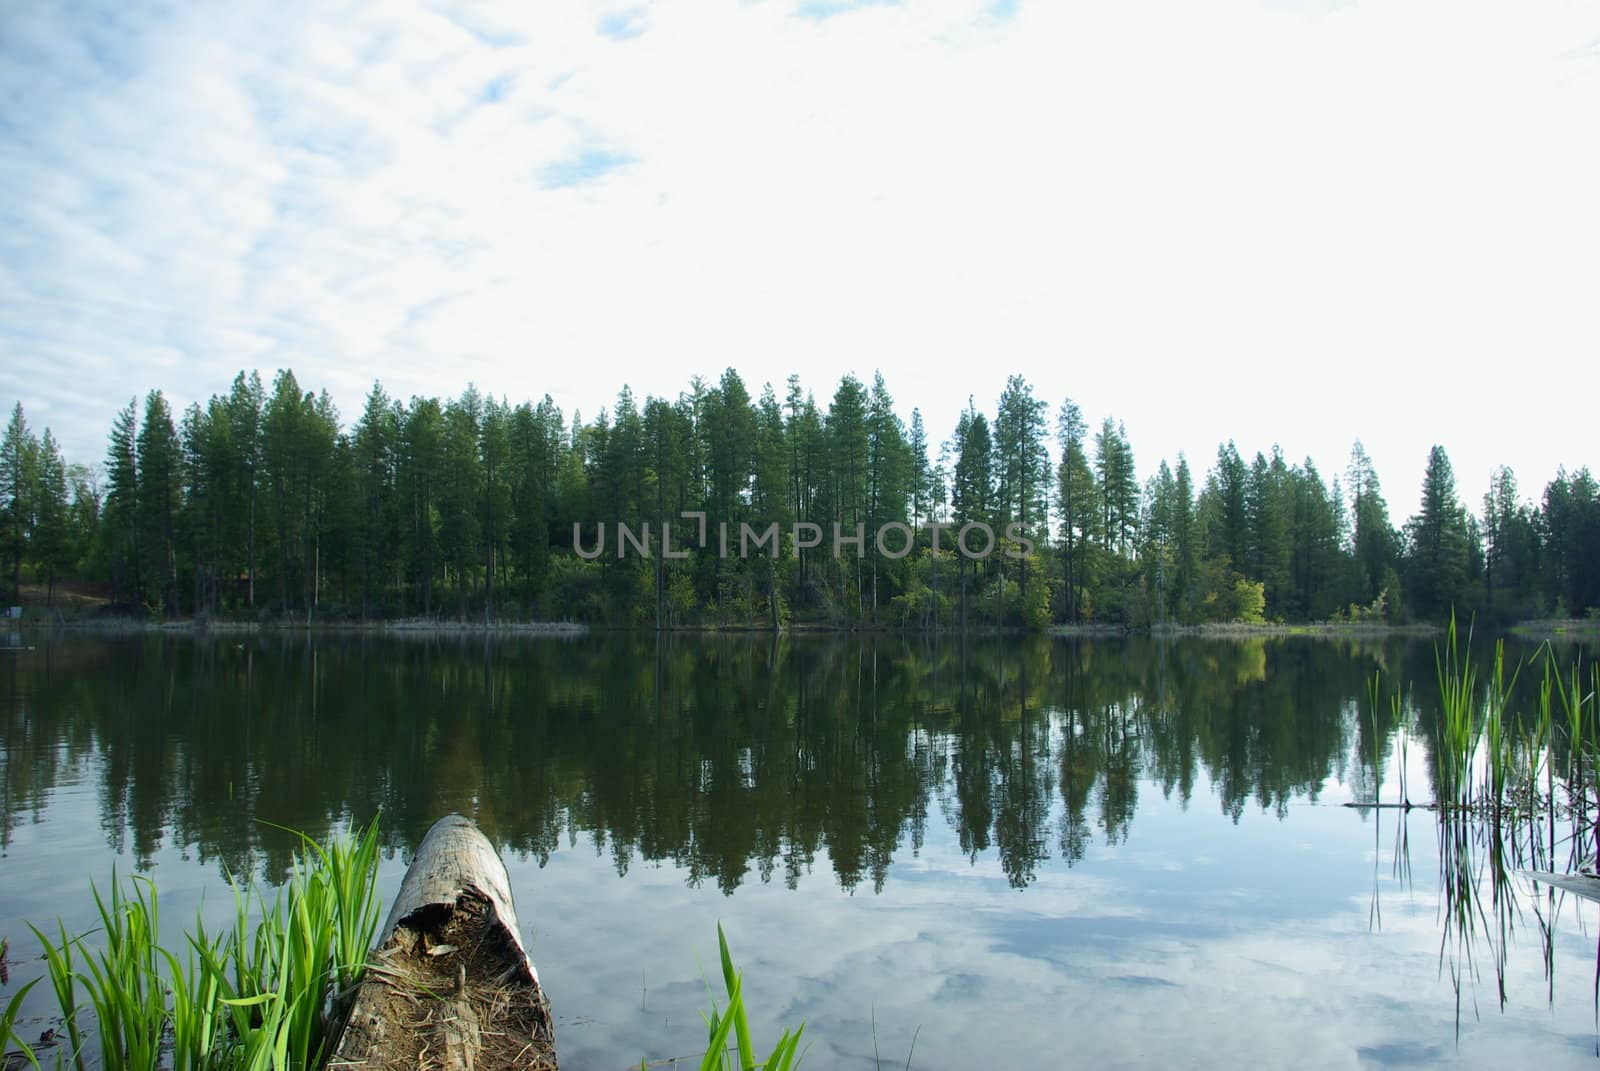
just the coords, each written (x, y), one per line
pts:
(1021, 852)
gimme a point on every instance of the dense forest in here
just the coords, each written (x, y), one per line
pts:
(261, 504)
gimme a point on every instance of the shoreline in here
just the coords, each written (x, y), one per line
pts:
(404, 626)
(1568, 630)
(1322, 629)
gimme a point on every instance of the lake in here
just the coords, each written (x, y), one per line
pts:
(998, 851)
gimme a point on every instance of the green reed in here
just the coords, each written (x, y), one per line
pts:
(197, 1017)
(720, 1024)
(59, 970)
(1508, 781)
(267, 994)
(124, 983)
(8, 1021)
(1458, 729)
(1490, 758)
(1565, 688)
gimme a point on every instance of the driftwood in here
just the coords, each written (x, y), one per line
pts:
(450, 986)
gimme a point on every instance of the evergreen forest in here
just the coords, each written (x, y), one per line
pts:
(262, 503)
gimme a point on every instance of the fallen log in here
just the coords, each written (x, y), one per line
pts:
(450, 986)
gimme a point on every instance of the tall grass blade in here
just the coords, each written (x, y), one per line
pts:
(717, 1043)
(8, 1032)
(747, 1055)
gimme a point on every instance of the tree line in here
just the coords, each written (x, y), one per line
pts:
(261, 503)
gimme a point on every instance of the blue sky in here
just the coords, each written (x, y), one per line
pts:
(1290, 221)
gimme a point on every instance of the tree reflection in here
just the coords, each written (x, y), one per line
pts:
(726, 756)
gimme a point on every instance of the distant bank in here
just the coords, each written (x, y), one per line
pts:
(1567, 629)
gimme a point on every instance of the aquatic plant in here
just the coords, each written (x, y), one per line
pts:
(719, 1024)
(124, 983)
(267, 994)
(1582, 731)
(877, 1061)
(1512, 787)
(1456, 736)
(58, 962)
(197, 1017)
(8, 1033)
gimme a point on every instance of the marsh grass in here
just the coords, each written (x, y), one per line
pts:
(729, 1046)
(1394, 725)
(8, 1034)
(720, 1024)
(1514, 789)
(1533, 766)
(124, 984)
(269, 994)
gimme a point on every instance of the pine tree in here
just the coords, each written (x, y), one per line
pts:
(1024, 465)
(848, 454)
(1315, 572)
(1227, 486)
(973, 488)
(282, 462)
(888, 475)
(1570, 519)
(771, 488)
(1019, 433)
(84, 525)
(808, 462)
(160, 488)
(460, 521)
(1439, 545)
(494, 449)
(536, 449)
(375, 445)
(1267, 513)
(1118, 487)
(246, 400)
(729, 432)
(51, 549)
(120, 526)
(19, 456)
(421, 470)
(1185, 535)
(1512, 551)
(200, 509)
(1076, 500)
(326, 491)
(1375, 544)
(1158, 534)
(921, 473)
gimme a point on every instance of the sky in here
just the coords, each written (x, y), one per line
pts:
(1293, 222)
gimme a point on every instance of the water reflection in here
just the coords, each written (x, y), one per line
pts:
(732, 758)
(1118, 783)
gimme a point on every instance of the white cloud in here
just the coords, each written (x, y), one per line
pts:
(1109, 963)
(1276, 223)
